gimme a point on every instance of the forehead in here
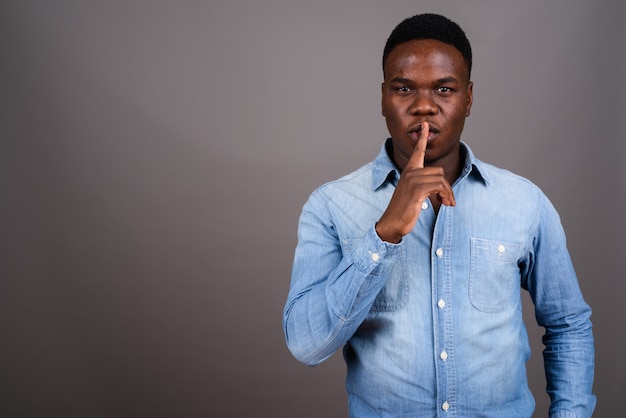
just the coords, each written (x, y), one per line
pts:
(425, 56)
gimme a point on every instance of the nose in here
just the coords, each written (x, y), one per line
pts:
(423, 104)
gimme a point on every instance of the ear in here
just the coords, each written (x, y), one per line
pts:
(382, 98)
(470, 98)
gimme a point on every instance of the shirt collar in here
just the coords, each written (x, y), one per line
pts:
(383, 169)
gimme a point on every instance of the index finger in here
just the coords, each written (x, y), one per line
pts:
(419, 152)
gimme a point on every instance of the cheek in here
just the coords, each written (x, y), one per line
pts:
(392, 127)
(391, 118)
(458, 117)
(395, 115)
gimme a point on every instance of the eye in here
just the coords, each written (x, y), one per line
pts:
(444, 90)
(403, 89)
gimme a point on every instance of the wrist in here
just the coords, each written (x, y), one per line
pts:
(386, 234)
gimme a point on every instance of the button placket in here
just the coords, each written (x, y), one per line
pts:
(444, 322)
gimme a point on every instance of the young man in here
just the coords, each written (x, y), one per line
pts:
(414, 263)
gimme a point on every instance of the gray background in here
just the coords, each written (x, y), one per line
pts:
(154, 157)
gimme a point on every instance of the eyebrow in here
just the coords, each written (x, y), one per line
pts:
(448, 79)
(400, 80)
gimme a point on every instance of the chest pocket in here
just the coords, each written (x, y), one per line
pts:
(494, 275)
(394, 294)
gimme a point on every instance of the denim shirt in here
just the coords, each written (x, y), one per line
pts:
(432, 326)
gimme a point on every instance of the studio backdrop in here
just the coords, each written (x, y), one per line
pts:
(155, 155)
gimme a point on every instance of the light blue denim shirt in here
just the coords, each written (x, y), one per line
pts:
(432, 326)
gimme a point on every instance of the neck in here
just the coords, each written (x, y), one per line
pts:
(452, 165)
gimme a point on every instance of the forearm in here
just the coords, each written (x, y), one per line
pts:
(569, 365)
(326, 305)
(561, 309)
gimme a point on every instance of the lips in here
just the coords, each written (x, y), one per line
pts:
(414, 132)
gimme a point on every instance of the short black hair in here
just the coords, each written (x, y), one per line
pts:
(430, 26)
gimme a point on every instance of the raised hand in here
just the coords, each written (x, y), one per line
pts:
(417, 183)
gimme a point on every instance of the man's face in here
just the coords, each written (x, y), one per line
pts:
(426, 80)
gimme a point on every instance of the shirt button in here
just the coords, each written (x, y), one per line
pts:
(445, 406)
(424, 205)
(375, 257)
(501, 248)
(443, 355)
(441, 303)
(439, 252)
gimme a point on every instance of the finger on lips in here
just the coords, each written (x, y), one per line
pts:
(419, 152)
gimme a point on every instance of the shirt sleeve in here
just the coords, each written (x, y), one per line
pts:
(332, 288)
(562, 311)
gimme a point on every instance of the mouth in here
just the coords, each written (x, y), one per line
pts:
(415, 132)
